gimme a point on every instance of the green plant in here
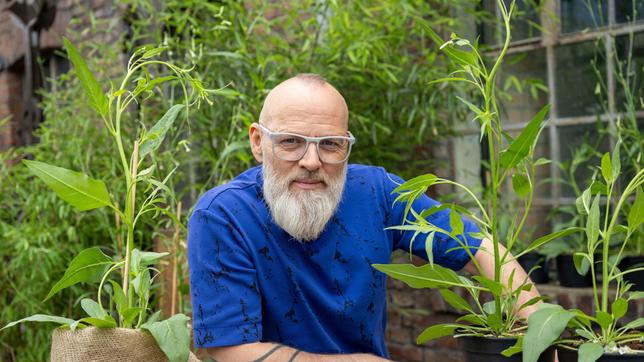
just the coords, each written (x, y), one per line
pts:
(129, 299)
(600, 332)
(499, 317)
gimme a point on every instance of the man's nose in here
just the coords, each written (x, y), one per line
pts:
(311, 159)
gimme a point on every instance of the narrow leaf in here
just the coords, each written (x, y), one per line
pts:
(520, 185)
(105, 322)
(97, 100)
(156, 134)
(88, 266)
(41, 318)
(592, 224)
(455, 300)
(436, 331)
(521, 146)
(456, 223)
(607, 170)
(636, 214)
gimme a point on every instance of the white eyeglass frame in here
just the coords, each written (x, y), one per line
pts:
(308, 140)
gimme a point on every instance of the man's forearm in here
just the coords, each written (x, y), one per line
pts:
(273, 352)
(485, 258)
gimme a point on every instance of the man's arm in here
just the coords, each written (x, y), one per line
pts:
(485, 257)
(273, 352)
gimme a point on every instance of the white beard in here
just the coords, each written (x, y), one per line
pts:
(302, 213)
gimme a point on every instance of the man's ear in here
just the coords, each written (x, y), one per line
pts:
(255, 138)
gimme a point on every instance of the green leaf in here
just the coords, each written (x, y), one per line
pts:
(493, 286)
(592, 224)
(544, 327)
(142, 283)
(548, 238)
(172, 336)
(88, 266)
(636, 214)
(436, 331)
(476, 110)
(615, 162)
(582, 262)
(517, 348)
(429, 247)
(156, 134)
(105, 322)
(41, 318)
(542, 161)
(520, 184)
(494, 321)
(97, 100)
(144, 258)
(456, 222)
(473, 319)
(639, 322)
(607, 169)
(129, 314)
(619, 308)
(604, 319)
(455, 300)
(79, 190)
(426, 276)
(521, 146)
(92, 308)
(636, 295)
(118, 297)
(590, 352)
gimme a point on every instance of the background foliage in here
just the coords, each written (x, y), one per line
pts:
(377, 53)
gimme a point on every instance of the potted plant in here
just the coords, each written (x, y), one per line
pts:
(600, 336)
(119, 324)
(493, 330)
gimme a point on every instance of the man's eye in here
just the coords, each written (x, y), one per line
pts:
(290, 141)
(331, 143)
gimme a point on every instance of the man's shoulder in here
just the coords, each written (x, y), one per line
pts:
(356, 169)
(242, 186)
(372, 175)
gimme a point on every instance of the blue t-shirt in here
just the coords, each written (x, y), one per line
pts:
(251, 281)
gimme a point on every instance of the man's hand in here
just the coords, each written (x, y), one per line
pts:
(273, 352)
(485, 258)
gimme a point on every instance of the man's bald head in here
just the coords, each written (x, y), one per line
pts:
(306, 96)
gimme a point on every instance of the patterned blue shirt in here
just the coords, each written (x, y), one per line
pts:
(251, 281)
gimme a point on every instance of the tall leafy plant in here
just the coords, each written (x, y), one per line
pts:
(593, 335)
(510, 160)
(129, 299)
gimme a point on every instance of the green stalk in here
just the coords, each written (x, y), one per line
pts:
(129, 213)
(606, 241)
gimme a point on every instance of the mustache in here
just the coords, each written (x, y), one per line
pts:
(309, 175)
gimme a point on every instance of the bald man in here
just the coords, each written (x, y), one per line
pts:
(280, 257)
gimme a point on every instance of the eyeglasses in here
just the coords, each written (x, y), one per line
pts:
(292, 147)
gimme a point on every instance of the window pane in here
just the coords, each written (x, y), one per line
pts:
(467, 155)
(630, 79)
(542, 173)
(629, 10)
(577, 15)
(576, 78)
(525, 21)
(489, 25)
(581, 148)
(524, 85)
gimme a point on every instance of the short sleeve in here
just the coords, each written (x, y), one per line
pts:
(447, 252)
(223, 281)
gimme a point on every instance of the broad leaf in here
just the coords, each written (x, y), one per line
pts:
(105, 322)
(118, 297)
(41, 318)
(636, 215)
(79, 190)
(455, 300)
(590, 352)
(426, 276)
(88, 266)
(544, 327)
(619, 308)
(604, 319)
(493, 286)
(436, 331)
(607, 169)
(172, 336)
(142, 283)
(97, 100)
(582, 262)
(92, 308)
(521, 146)
(520, 184)
(156, 134)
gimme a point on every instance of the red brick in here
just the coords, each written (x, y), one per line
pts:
(400, 335)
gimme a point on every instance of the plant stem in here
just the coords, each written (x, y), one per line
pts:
(129, 213)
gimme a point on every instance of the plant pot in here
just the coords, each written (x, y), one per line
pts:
(637, 278)
(488, 349)
(568, 276)
(529, 261)
(106, 344)
(570, 355)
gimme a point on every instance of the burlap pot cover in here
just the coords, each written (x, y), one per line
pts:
(106, 344)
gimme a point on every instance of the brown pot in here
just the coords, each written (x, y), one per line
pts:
(106, 345)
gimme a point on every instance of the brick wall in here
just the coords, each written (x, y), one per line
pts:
(412, 310)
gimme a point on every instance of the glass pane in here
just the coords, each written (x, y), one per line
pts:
(577, 66)
(542, 173)
(581, 148)
(577, 15)
(629, 10)
(629, 78)
(524, 86)
(489, 24)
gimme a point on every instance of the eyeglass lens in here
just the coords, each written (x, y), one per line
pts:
(293, 147)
